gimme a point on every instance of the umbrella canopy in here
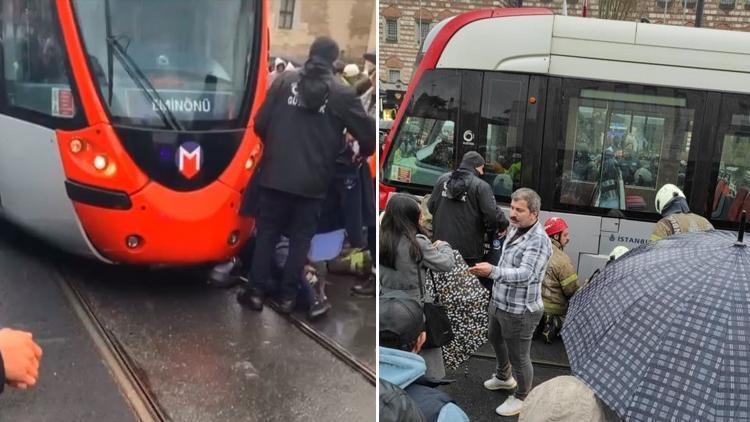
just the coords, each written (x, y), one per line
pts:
(663, 333)
(466, 303)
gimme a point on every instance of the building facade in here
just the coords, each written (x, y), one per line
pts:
(405, 23)
(294, 24)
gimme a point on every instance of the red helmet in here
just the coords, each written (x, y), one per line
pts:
(554, 226)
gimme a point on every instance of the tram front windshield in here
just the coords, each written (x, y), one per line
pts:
(175, 64)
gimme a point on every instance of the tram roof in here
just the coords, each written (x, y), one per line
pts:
(600, 49)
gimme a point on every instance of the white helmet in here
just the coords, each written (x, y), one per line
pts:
(665, 195)
(617, 252)
(351, 70)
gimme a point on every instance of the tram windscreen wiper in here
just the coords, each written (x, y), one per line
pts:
(143, 83)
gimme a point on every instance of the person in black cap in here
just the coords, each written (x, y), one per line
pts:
(365, 84)
(463, 208)
(370, 58)
(302, 124)
(401, 337)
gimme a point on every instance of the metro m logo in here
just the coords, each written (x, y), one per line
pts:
(189, 159)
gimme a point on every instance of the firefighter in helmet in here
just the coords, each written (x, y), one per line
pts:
(560, 281)
(676, 216)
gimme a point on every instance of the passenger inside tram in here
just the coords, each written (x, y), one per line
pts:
(621, 147)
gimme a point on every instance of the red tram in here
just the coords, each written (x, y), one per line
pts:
(125, 125)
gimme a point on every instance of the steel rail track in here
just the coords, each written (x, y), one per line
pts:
(138, 394)
(328, 343)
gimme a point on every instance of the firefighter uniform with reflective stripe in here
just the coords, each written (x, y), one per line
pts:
(560, 282)
(680, 223)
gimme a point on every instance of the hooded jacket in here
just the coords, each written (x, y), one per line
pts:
(679, 219)
(301, 144)
(463, 209)
(405, 369)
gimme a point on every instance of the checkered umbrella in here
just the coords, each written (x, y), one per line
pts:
(663, 333)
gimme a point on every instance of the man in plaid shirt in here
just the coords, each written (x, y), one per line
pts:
(516, 306)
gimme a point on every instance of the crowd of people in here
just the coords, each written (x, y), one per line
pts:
(314, 188)
(349, 74)
(527, 280)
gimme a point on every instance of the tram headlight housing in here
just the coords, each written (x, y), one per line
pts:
(76, 146)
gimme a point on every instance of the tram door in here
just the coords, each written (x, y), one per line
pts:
(500, 121)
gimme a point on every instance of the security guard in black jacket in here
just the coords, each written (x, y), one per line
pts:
(463, 209)
(301, 124)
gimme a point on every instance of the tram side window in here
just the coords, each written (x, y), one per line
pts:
(733, 182)
(424, 146)
(33, 55)
(622, 145)
(503, 110)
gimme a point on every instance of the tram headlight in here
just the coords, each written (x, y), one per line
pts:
(133, 241)
(249, 164)
(100, 162)
(76, 146)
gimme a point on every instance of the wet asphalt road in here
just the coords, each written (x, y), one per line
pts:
(479, 403)
(71, 368)
(202, 356)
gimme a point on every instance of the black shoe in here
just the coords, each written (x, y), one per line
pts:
(318, 309)
(251, 298)
(365, 289)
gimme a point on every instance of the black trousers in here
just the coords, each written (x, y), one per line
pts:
(283, 213)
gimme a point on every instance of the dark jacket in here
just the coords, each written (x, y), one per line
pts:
(396, 405)
(301, 144)
(463, 209)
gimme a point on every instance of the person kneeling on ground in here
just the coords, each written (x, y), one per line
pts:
(402, 335)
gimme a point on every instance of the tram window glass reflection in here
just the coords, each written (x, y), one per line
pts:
(733, 183)
(621, 146)
(503, 109)
(33, 55)
(424, 147)
(195, 54)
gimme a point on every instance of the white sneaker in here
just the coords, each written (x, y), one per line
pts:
(495, 383)
(510, 407)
